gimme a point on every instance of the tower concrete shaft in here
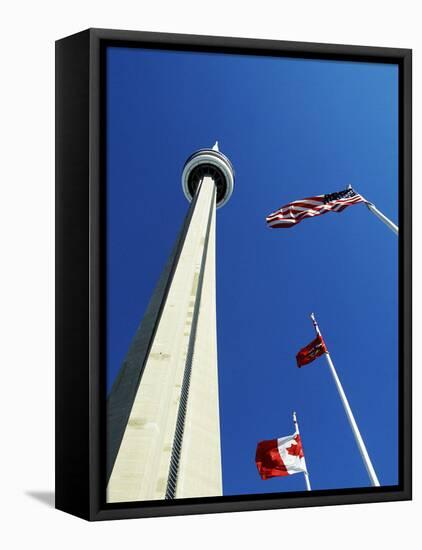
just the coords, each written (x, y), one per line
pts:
(163, 429)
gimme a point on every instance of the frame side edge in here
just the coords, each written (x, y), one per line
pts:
(72, 263)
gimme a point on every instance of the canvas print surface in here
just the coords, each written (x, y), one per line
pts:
(252, 274)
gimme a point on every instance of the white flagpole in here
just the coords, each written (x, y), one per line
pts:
(306, 474)
(372, 208)
(359, 441)
(383, 218)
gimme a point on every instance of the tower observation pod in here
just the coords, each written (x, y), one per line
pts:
(209, 163)
(163, 425)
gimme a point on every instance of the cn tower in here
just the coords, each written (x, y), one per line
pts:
(163, 425)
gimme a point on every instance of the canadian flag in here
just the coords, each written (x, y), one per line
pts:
(280, 457)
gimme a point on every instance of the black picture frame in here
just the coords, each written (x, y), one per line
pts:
(80, 273)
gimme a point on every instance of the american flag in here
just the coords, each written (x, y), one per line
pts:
(294, 212)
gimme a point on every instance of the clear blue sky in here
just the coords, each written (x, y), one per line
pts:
(292, 128)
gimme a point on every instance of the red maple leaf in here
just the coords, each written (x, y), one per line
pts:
(296, 449)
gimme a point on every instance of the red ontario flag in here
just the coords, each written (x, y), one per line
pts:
(310, 352)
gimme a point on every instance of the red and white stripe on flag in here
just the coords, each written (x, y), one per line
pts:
(280, 457)
(296, 211)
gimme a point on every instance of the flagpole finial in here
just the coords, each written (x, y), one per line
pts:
(215, 146)
(314, 322)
